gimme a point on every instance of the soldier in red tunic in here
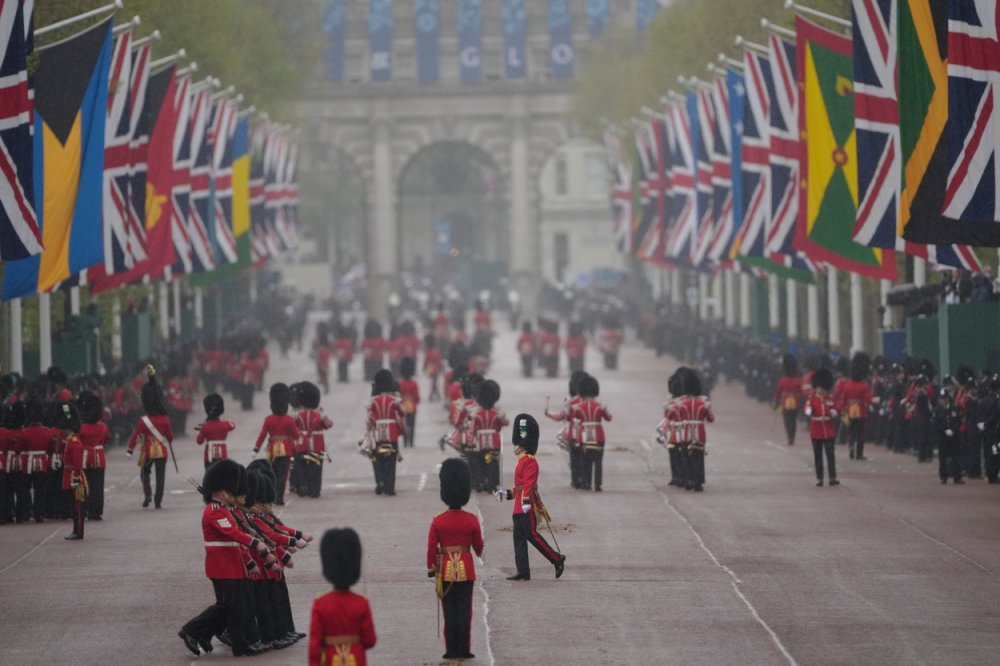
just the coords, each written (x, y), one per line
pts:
(485, 428)
(386, 422)
(213, 432)
(453, 536)
(152, 435)
(527, 503)
(322, 352)
(8, 442)
(372, 348)
(588, 416)
(74, 460)
(311, 422)
(576, 346)
(527, 349)
(693, 412)
(822, 415)
(788, 395)
(95, 435)
(432, 366)
(567, 436)
(409, 391)
(341, 629)
(610, 342)
(854, 401)
(35, 445)
(669, 429)
(282, 434)
(343, 344)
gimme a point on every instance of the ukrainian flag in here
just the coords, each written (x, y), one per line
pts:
(71, 92)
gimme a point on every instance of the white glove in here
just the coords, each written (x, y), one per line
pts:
(525, 507)
(981, 425)
(500, 496)
(128, 454)
(808, 411)
(833, 413)
(57, 464)
(300, 544)
(948, 432)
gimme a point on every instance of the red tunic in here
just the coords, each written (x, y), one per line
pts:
(73, 462)
(588, 415)
(282, 435)
(386, 420)
(485, 428)
(525, 489)
(855, 397)
(410, 392)
(788, 393)
(345, 349)
(225, 543)
(94, 437)
(610, 340)
(8, 444)
(568, 434)
(409, 346)
(669, 427)
(36, 444)
(526, 344)
(452, 530)
(311, 423)
(822, 416)
(372, 348)
(549, 343)
(576, 346)
(693, 413)
(394, 348)
(151, 446)
(432, 362)
(481, 320)
(213, 434)
(340, 614)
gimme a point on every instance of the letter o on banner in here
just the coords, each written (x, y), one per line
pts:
(562, 54)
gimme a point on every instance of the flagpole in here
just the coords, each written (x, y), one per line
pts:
(16, 338)
(732, 62)
(812, 312)
(113, 7)
(794, 6)
(792, 304)
(116, 329)
(753, 46)
(771, 26)
(142, 41)
(833, 306)
(654, 114)
(133, 22)
(857, 315)
(169, 60)
(44, 331)
(190, 69)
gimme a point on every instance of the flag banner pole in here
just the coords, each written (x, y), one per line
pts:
(168, 60)
(142, 41)
(801, 9)
(770, 26)
(134, 22)
(113, 7)
(753, 46)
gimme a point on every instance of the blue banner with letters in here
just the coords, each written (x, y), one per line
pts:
(335, 27)
(645, 12)
(737, 101)
(426, 24)
(514, 19)
(598, 16)
(380, 39)
(561, 55)
(469, 24)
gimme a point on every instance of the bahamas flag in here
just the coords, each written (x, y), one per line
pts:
(829, 169)
(71, 96)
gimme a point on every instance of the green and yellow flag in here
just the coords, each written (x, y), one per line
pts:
(829, 170)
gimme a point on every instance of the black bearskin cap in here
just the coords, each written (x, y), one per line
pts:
(91, 407)
(458, 356)
(576, 329)
(12, 415)
(430, 342)
(470, 384)
(525, 433)
(407, 367)
(588, 387)
(340, 553)
(574, 382)
(222, 475)
(262, 466)
(67, 417)
(823, 379)
(214, 405)
(456, 483)
(280, 395)
(152, 396)
(675, 385)
(790, 366)
(295, 395)
(526, 327)
(373, 329)
(927, 368)
(861, 363)
(34, 410)
(488, 394)
(252, 488)
(309, 395)
(265, 487)
(691, 382)
(964, 375)
(56, 376)
(843, 366)
(243, 489)
(383, 382)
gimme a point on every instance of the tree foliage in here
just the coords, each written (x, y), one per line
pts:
(267, 49)
(621, 74)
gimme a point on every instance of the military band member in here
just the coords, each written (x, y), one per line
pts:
(341, 629)
(855, 402)
(567, 436)
(386, 422)
(74, 478)
(527, 503)
(95, 435)
(8, 444)
(372, 348)
(588, 415)
(527, 350)
(822, 416)
(946, 420)
(693, 412)
(668, 431)
(788, 396)
(453, 536)
(152, 435)
(213, 432)
(486, 431)
(311, 422)
(282, 434)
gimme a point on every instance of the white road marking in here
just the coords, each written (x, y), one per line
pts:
(422, 483)
(776, 446)
(486, 597)
(645, 444)
(735, 581)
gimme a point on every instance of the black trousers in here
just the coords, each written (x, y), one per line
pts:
(371, 367)
(576, 465)
(385, 473)
(856, 437)
(411, 424)
(264, 611)
(674, 465)
(695, 464)
(991, 460)
(59, 502)
(525, 532)
(948, 463)
(95, 501)
(593, 464)
(527, 366)
(161, 471)
(610, 360)
(284, 605)
(295, 475)
(972, 461)
(791, 418)
(31, 500)
(475, 461)
(342, 367)
(551, 366)
(78, 516)
(245, 393)
(310, 477)
(457, 607)
(683, 474)
(227, 614)
(280, 466)
(819, 447)
(6, 499)
(491, 470)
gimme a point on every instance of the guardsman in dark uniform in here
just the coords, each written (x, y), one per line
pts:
(989, 415)
(855, 400)
(152, 435)
(822, 415)
(213, 432)
(282, 435)
(311, 422)
(386, 422)
(341, 629)
(409, 390)
(74, 461)
(453, 536)
(589, 415)
(788, 396)
(9, 426)
(527, 503)
(946, 421)
(95, 435)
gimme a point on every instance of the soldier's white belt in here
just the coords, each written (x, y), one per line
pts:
(221, 544)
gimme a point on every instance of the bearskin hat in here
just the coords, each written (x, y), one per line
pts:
(242, 488)
(675, 385)
(407, 367)
(252, 488)
(280, 394)
(575, 329)
(91, 407)
(340, 553)
(588, 387)
(861, 364)
(430, 342)
(456, 482)
(295, 395)
(373, 329)
(470, 384)
(152, 395)
(214, 405)
(823, 379)
(691, 382)
(927, 368)
(488, 394)
(12, 415)
(222, 475)
(965, 375)
(309, 395)
(34, 410)
(790, 366)
(265, 487)
(383, 382)
(574, 382)
(881, 364)
(262, 466)
(842, 366)
(56, 376)
(67, 417)
(458, 356)
(525, 433)
(526, 327)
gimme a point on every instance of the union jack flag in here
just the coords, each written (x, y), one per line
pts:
(648, 145)
(142, 127)
(621, 189)
(221, 138)
(680, 181)
(259, 250)
(784, 153)
(19, 234)
(288, 195)
(756, 151)
(722, 171)
(702, 137)
(880, 159)
(200, 214)
(180, 179)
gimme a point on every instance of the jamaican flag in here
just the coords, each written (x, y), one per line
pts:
(829, 169)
